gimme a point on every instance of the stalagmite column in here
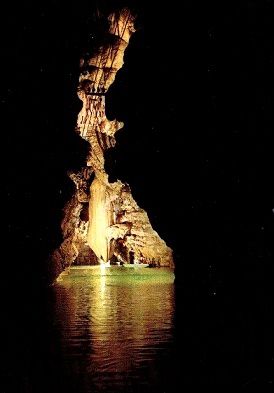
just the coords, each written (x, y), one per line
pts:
(100, 214)
(103, 216)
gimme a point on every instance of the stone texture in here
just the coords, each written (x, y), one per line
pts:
(101, 216)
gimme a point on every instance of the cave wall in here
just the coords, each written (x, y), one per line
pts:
(103, 215)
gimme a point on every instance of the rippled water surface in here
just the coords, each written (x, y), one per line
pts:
(115, 330)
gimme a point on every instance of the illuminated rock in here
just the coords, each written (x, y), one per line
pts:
(104, 215)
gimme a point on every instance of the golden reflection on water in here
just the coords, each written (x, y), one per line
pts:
(115, 327)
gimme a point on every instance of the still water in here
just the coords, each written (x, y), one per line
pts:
(115, 329)
(93, 332)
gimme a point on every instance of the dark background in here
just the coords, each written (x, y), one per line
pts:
(196, 98)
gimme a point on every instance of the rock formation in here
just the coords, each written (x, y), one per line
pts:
(102, 222)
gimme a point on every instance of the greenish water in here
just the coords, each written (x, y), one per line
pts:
(115, 329)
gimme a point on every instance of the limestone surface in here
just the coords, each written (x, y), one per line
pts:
(102, 221)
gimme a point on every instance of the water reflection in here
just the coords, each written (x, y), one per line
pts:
(116, 330)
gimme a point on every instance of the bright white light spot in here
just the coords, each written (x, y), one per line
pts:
(102, 269)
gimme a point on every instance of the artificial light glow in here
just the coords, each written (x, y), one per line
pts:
(102, 269)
